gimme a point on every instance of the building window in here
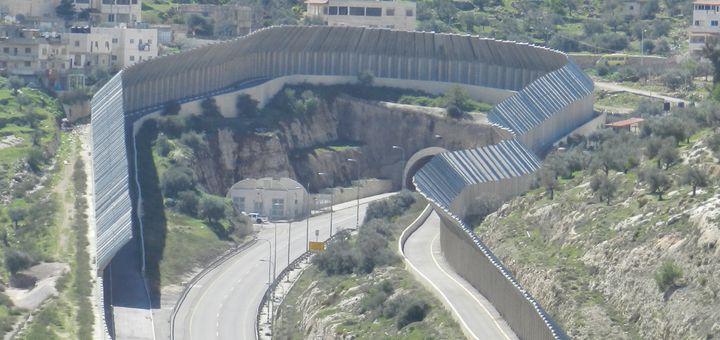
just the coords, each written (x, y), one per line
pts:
(44, 51)
(77, 43)
(409, 12)
(27, 64)
(342, 11)
(132, 58)
(114, 58)
(332, 10)
(239, 203)
(357, 11)
(697, 22)
(698, 39)
(28, 50)
(713, 23)
(114, 40)
(390, 12)
(373, 11)
(258, 207)
(632, 7)
(132, 41)
(6, 50)
(278, 207)
(111, 17)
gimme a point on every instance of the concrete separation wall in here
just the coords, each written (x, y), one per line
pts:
(478, 265)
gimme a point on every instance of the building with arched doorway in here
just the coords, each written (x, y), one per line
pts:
(277, 198)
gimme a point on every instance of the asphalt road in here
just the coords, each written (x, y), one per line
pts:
(223, 304)
(477, 316)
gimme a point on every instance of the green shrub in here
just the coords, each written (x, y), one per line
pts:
(389, 208)
(17, 260)
(187, 202)
(667, 275)
(175, 180)
(212, 208)
(407, 308)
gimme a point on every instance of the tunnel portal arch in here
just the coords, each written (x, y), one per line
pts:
(417, 161)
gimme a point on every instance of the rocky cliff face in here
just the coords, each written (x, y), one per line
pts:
(593, 265)
(363, 130)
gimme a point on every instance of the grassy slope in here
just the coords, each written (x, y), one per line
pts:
(522, 239)
(438, 324)
(175, 243)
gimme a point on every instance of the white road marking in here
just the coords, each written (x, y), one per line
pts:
(465, 289)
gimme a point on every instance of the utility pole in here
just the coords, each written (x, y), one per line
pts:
(402, 168)
(331, 198)
(357, 187)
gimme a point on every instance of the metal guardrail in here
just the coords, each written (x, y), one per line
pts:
(286, 271)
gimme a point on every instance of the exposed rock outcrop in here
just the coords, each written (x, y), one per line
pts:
(367, 128)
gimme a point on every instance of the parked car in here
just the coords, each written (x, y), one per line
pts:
(256, 218)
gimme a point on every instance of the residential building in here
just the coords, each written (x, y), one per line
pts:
(276, 198)
(633, 125)
(228, 20)
(111, 11)
(26, 52)
(101, 11)
(388, 14)
(706, 16)
(128, 45)
(29, 8)
(87, 49)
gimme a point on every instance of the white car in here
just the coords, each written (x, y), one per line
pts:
(256, 218)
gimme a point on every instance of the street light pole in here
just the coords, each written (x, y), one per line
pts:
(402, 168)
(332, 191)
(357, 188)
(642, 47)
(268, 259)
(307, 221)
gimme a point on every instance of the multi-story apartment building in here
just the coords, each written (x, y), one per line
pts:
(128, 45)
(25, 52)
(112, 11)
(705, 23)
(29, 8)
(87, 49)
(389, 14)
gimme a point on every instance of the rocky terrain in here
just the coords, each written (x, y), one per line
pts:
(354, 128)
(594, 266)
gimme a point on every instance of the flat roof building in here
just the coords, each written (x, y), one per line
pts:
(277, 198)
(386, 14)
(705, 23)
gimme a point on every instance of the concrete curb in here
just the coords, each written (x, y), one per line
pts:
(411, 228)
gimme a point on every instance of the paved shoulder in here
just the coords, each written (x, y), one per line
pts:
(476, 314)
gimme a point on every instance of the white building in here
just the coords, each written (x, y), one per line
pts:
(705, 23)
(277, 198)
(129, 45)
(101, 11)
(25, 52)
(387, 14)
(112, 11)
(87, 49)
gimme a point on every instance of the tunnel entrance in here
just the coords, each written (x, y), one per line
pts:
(416, 162)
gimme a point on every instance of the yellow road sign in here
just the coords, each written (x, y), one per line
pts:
(317, 246)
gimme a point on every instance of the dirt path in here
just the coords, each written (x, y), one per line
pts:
(64, 191)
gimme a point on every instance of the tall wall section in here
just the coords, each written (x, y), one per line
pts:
(337, 51)
(110, 171)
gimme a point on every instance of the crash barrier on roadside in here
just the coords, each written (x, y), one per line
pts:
(286, 271)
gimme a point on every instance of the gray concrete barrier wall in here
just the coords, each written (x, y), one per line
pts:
(478, 265)
(113, 208)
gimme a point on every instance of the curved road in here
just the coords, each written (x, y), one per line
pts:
(476, 315)
(223, 304)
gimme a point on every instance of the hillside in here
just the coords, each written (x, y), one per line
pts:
(359, 288)
(43, 231)
(631, 255)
